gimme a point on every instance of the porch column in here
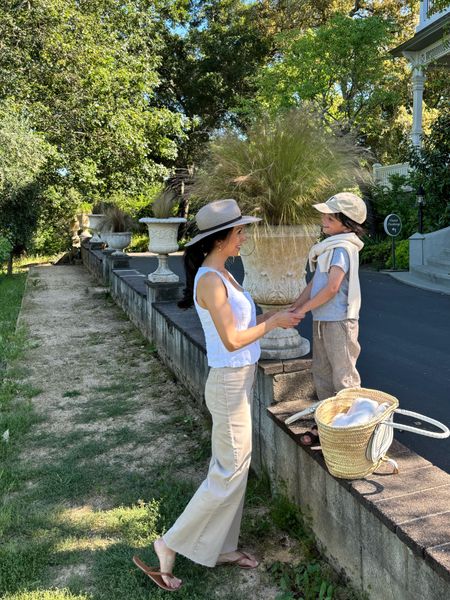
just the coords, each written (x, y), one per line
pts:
(418, 79)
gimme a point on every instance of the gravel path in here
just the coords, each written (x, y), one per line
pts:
(107, 401)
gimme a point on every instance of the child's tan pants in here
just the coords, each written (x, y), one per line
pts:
(335, 352)
(210, 523)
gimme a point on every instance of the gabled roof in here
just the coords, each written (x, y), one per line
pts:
(425, 37)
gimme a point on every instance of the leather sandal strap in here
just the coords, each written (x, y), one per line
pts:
(149, 571)
(244, 555)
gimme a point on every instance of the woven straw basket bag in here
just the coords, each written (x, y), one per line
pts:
(357, 451)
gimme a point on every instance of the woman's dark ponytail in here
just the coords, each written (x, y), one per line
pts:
(193, 260)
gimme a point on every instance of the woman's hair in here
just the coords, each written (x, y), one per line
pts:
(351, 224)
(193, 258)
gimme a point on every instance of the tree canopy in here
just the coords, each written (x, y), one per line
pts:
(86, 73)
(344, 67)
(125, 92)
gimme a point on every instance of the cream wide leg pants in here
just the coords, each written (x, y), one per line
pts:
(210, 523)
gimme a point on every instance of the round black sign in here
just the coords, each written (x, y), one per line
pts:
(393, 225)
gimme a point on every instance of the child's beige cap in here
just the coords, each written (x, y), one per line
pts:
(347, 203)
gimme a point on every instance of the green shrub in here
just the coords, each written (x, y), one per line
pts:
(50, 240)
(302, 581)
(401, 255)
(376, 252)
(139, 243)
(395, 200)
(282, 166)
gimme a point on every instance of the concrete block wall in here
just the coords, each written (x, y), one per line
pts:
(435, 242)
(425, 247)
(378, 530)
(184, 358)
(129, 292)
(92, 260)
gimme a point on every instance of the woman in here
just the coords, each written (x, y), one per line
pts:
(207, 531)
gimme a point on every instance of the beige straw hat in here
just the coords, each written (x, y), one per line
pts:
(218, 215)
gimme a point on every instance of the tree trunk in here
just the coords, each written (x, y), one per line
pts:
(10, 264)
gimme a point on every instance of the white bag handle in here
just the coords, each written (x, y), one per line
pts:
(445, 432)
(302, 413)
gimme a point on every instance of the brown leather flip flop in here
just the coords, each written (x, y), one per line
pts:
(155, 575)
(238, 561)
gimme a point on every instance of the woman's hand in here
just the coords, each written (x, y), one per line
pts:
(285, 319)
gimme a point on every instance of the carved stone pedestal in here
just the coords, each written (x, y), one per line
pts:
(275, 267)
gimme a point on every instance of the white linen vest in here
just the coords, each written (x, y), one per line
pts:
(244, 312)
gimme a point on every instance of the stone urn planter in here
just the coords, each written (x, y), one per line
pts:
(94, 221)
(275, 267)
(83, 221)
(74, 228)
(116, 240)
(163, 240)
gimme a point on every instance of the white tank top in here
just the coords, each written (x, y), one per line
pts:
(244, 312)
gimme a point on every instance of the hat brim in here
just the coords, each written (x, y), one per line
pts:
(242, 221)
(324, 208)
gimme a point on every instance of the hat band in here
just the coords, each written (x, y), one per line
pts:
(221, 225)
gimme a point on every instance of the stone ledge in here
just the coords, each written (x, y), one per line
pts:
(414, 505)
(187, 321)
(124, 273)
(133, 278)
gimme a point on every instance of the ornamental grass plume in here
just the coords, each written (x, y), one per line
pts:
(163, 205)
(281, 167)
(115, 220)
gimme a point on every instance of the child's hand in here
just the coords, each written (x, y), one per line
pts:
(299, 313)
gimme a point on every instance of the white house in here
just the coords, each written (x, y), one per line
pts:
(429, 254)
(430, 45)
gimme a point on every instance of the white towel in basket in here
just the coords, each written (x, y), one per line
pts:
(361, 411)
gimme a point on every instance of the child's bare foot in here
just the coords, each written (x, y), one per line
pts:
(166, 558)
(242, 559)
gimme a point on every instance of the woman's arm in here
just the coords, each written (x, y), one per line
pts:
(264, 316)
(211, 294)
(335, 278)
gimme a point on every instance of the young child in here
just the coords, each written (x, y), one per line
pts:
(333, 295)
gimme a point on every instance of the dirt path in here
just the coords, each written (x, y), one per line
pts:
(115, 454)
